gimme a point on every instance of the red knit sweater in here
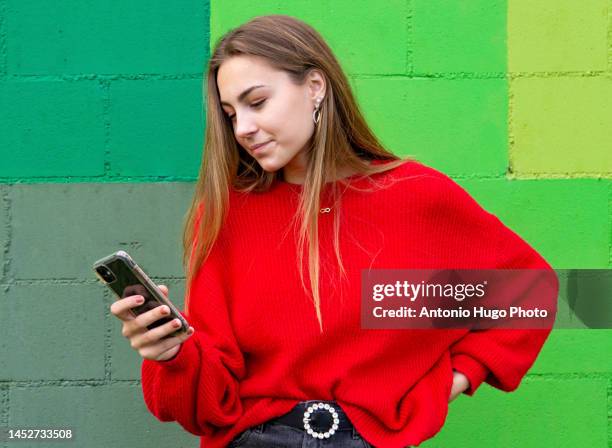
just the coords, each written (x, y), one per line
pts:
(257, 349)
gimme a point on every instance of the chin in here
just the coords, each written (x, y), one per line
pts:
(269, 166)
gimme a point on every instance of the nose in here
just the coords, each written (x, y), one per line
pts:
(244, 126)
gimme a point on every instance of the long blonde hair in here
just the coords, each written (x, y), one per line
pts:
(341, 139)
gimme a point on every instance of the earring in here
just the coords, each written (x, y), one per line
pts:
(316, 114)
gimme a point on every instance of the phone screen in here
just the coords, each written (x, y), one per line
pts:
(120, 278)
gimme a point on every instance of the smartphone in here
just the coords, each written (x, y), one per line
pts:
(125, 278)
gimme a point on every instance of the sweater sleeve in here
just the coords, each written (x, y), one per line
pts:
(500, 357)
(199, 386)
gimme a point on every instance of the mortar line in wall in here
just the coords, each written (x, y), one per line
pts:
(477, 176)
(72, 281)
(5, 403)
(483, 75)
(568, 376)
(510, 106)
(510, 128)
(161, 179)
(3, 49)
(429, 75)
(106, 104)
(29, 384)
(169, 179)
(610, 412)
(609, 36)
(95, 179)
(409, 68)
(570, 175)
(105, 77)
(6, 247)
(123, 77)
(610, 225)
(610, 399)
(412, 74)
(108, 362)
(571, 74)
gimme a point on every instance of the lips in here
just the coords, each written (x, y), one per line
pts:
(259, 145)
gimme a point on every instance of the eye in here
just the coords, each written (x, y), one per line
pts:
(257, 105)
(254, 105)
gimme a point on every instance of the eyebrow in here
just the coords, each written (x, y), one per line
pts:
(244, 94)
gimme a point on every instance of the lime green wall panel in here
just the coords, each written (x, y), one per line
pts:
(561, 125)
(558, 35)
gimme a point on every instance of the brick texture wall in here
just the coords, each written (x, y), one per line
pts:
(101, 123)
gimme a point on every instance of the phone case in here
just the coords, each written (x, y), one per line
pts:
(125, 278)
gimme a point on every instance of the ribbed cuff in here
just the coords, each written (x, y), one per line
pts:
(475, 372)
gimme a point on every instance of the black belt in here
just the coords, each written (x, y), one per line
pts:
(320, 419)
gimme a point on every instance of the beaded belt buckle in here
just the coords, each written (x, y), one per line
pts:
(321, 435)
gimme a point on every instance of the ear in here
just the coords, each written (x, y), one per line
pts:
(316, 84)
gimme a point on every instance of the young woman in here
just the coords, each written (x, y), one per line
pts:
(295, 196)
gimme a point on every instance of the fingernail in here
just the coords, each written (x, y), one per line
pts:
(140, 300)
(165, 309)
(176, 323)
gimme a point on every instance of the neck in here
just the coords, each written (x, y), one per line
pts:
(294, 172)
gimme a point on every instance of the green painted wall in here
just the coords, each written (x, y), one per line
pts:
(101, 119)
(101, 130)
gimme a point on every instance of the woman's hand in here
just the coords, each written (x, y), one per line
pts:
(149, 343)
(460, 383)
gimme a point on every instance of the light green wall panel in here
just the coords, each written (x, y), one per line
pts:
(458, 36)
(455, 125)
(553, 412)
(378, 48)
(561, 126)
(557, 35)
(578, 352)
(567, 221)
